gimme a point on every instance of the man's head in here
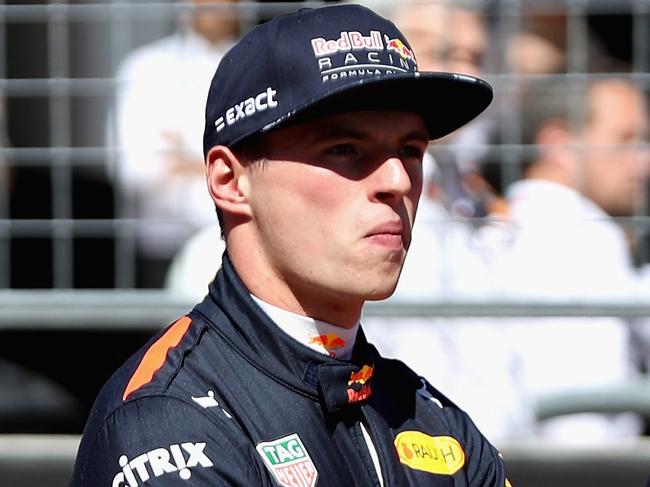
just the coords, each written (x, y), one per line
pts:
(447, 36)
(215, 20)
(597, 150)
(330, 60)
(316, 124)
(329, 209)
(538, 46)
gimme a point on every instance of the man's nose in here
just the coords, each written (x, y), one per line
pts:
(392, 180)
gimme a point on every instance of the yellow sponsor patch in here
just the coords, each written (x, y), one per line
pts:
(434, 454)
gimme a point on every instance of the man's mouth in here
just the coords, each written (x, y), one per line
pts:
(389, 235)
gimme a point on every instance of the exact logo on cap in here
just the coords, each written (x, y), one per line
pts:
(250, 106)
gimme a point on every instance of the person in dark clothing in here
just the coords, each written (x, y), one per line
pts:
(316, 125)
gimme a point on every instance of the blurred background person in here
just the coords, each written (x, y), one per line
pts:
(506, 364)
(157, 128)
(462, 236)
(538, 47)
(446, 36)
(587, 168)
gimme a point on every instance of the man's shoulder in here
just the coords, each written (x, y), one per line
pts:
(163, 437)
(435, 416)
(153, 369)
(156, 416)
(403, 380)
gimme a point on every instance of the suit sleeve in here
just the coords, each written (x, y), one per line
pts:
(485, 466)
(161, 442)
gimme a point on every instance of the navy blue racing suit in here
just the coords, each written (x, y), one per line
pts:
(224, 397)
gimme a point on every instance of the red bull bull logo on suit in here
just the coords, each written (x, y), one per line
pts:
(359, 384)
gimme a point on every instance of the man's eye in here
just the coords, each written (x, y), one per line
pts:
(342, 150)
(412, 152)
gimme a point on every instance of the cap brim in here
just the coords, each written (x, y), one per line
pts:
(445, 101)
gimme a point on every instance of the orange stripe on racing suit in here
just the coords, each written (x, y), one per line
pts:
(155, 357)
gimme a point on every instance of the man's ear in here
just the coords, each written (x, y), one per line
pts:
(556, 142)
(560, 158)
(553, 132)
(227, 180)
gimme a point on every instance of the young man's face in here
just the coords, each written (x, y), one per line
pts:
(335, 202)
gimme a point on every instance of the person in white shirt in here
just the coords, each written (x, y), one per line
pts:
(589, 167)
(157, 125)
(587, 171)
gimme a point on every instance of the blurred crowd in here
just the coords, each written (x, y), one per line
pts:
(546, 221)
(550, 233)
(534, 201)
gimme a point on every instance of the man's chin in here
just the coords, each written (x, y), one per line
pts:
(381, 294)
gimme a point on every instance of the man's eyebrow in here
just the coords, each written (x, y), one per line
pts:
(334, 132)
(417, 135)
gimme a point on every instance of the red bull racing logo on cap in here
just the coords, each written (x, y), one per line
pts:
(400, 48)
(359, 384)
(348, 41)
(355, 55)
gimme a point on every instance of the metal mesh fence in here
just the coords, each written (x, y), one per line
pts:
(65, 222)
(69, 245)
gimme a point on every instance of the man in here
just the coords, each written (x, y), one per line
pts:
(160, 163)
(316, 125)
(448, 36)
(589, 166)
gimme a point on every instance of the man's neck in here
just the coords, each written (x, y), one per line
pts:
(320, 304)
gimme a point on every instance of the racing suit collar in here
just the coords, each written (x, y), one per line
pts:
(230, 309)
(332, 340)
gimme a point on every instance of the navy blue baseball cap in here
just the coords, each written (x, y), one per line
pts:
(333, 59)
